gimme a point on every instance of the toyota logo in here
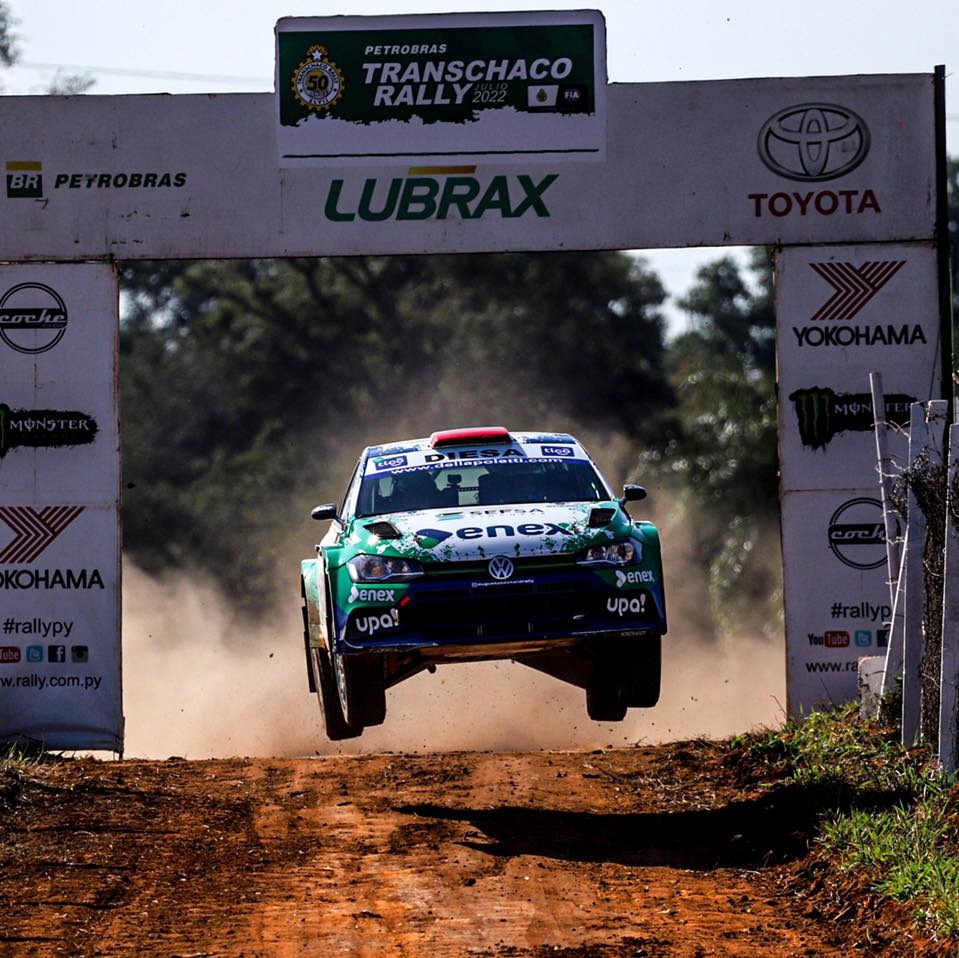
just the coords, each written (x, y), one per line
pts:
(500, 567)
(813, 141)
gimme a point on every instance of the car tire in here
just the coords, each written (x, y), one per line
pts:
(644, 666)
(625, 677)
(361, 687)
(337, 726)
(606, 699)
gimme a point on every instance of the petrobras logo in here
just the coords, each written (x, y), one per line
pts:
(812, 142)
(634, 577)
(389, 462)
(371, 595)
(24, 179)
(371, 624)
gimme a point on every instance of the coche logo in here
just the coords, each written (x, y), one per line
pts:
(857, 535)
(813, 142)
(33, 318)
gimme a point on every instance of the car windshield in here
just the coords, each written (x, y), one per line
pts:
(487, 484)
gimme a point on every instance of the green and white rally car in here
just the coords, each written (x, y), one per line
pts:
(479, 544)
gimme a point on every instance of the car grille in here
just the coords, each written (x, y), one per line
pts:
(482, 607)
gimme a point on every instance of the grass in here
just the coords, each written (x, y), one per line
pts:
(890, 817)
(16, 766)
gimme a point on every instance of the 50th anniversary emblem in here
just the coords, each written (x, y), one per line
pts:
(318, 82)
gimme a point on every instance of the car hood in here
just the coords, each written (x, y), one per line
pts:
(479, 532)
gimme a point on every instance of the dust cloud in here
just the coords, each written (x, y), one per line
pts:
(199, 682)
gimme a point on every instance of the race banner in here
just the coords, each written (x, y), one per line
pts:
(778, 161)
(842, 313)
(441, 89)
(60, 676)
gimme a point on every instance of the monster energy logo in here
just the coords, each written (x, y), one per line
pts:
(822, 413)
(38, 428)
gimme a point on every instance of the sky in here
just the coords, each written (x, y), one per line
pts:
(136, 46)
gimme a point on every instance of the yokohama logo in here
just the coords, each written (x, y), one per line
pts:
(854, 285)
(34, 529)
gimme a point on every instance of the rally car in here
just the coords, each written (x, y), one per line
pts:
(479, 544)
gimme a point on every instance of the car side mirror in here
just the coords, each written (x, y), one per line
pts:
(326, 511)
(633, 493)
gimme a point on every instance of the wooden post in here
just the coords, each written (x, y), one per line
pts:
(912, 635)
(897, 629)
(949, 679)
(925, 436)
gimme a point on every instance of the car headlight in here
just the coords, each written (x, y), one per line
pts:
(613, 553)
(364, 568)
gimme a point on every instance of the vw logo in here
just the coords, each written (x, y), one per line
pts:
(813, 141)
(500, 567)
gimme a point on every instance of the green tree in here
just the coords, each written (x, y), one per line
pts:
(724, 448)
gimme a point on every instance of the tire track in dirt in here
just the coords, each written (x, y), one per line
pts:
(632, 852)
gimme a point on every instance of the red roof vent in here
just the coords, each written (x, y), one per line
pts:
(475, 436)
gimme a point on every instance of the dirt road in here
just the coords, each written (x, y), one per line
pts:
(662, 851)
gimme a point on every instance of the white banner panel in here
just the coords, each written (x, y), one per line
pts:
(738, 162)
(451, 88)
(836, 592)
(843, 312)
(59, 507)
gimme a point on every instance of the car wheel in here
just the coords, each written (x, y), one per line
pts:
(337, 727)
(644, 666)
(606, 699)
(361, 688)
(625, 677)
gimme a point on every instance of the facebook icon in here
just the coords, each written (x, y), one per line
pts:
(56, 653)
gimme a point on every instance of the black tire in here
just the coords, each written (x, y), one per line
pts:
(625, 677)
(605, 699)
(644, 666)
(337, 727)
(361, 687)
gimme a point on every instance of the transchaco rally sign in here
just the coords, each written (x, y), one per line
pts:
(59, 507)
(441, 88)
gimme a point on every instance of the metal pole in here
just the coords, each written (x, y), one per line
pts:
(885, 465)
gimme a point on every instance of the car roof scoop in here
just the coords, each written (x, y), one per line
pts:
(602, 516)
(383, 529)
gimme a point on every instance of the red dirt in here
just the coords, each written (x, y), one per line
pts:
(667, 851)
